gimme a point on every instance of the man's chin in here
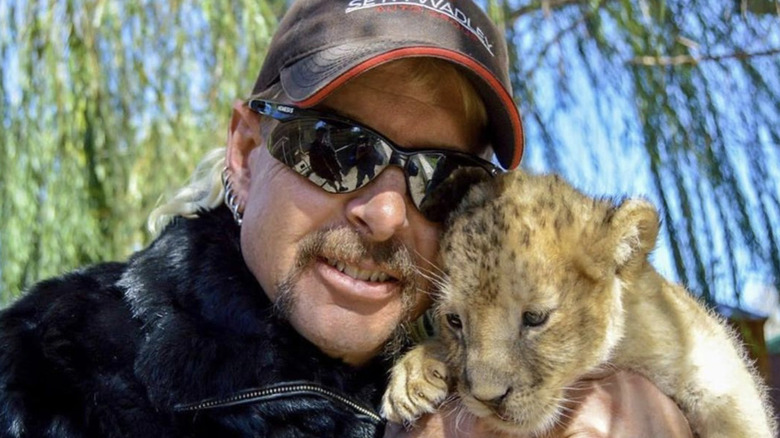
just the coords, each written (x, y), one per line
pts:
(356, 340)
(353, 346)
(307, 300)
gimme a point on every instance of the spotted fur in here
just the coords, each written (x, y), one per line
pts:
(543, 285)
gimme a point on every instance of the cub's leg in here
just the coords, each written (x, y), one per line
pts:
(418, 383)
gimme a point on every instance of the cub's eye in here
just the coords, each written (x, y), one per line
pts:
(534, 319)
(453, 319)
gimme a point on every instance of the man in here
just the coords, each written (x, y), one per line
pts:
(268, 316)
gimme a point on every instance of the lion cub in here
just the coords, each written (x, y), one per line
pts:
(543, 285)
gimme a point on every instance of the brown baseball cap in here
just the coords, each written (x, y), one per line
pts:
(321, 44)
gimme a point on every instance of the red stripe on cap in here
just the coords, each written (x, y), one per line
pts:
(506, 99)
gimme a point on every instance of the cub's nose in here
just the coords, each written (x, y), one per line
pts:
(491, 397)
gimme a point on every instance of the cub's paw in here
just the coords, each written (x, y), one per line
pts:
(418, 383)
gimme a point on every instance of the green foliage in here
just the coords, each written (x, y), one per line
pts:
(105, 106)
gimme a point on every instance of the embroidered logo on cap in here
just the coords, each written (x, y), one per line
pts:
(439, 6)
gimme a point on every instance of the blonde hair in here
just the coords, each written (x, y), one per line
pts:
(205, 192)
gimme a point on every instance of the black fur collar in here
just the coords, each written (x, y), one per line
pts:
(208, 327)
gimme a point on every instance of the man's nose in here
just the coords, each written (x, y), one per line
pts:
(379, 210)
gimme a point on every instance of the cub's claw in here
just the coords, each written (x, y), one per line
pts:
(418, 384)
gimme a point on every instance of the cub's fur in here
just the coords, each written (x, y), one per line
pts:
(544, 285)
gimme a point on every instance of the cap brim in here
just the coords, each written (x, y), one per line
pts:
(312, 78)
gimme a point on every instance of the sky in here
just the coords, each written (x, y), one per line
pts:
(603, 153)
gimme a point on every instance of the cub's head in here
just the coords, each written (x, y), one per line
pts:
(532, 293)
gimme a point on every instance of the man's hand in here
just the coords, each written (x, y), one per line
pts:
(615, 405)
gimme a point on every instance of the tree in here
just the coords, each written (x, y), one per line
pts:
(677, 98)
(105, 105)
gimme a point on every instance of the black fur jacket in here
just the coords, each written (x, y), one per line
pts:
(180, 341)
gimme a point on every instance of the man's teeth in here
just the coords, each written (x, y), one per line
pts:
(359, 274)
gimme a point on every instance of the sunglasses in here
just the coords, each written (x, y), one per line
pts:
(341, 156)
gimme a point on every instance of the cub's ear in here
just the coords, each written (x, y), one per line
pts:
(477, 190)
(634, 228)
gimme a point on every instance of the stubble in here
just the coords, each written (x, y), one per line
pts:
(348, 245)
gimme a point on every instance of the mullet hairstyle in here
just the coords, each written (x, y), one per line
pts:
(204, 191)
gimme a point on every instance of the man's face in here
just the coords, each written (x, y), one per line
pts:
(344, 263)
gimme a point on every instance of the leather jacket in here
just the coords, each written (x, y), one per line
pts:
(179, 341)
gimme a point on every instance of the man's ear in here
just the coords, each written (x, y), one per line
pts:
(634, 229)
(243, 137)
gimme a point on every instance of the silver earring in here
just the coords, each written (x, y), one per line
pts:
(230, 198)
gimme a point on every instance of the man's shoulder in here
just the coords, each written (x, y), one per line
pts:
(74, 317)
(65, 338)
(59, 297)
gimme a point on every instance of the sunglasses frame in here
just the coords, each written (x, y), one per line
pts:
(399, 156)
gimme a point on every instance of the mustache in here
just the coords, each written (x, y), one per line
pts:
(348, 245)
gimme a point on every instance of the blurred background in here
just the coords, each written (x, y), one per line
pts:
(106, 106)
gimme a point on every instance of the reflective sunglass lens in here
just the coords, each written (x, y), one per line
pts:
(366, 157)
(341, 156)
(337, 157)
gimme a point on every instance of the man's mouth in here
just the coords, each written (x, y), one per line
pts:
(358, 273)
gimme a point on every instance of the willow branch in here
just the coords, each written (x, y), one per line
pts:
(656, 61)
(555, 40)
(543, 5)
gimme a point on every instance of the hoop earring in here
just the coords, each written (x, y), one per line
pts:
(231, 200)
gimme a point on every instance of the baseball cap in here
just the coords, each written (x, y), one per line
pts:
(321, 44)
